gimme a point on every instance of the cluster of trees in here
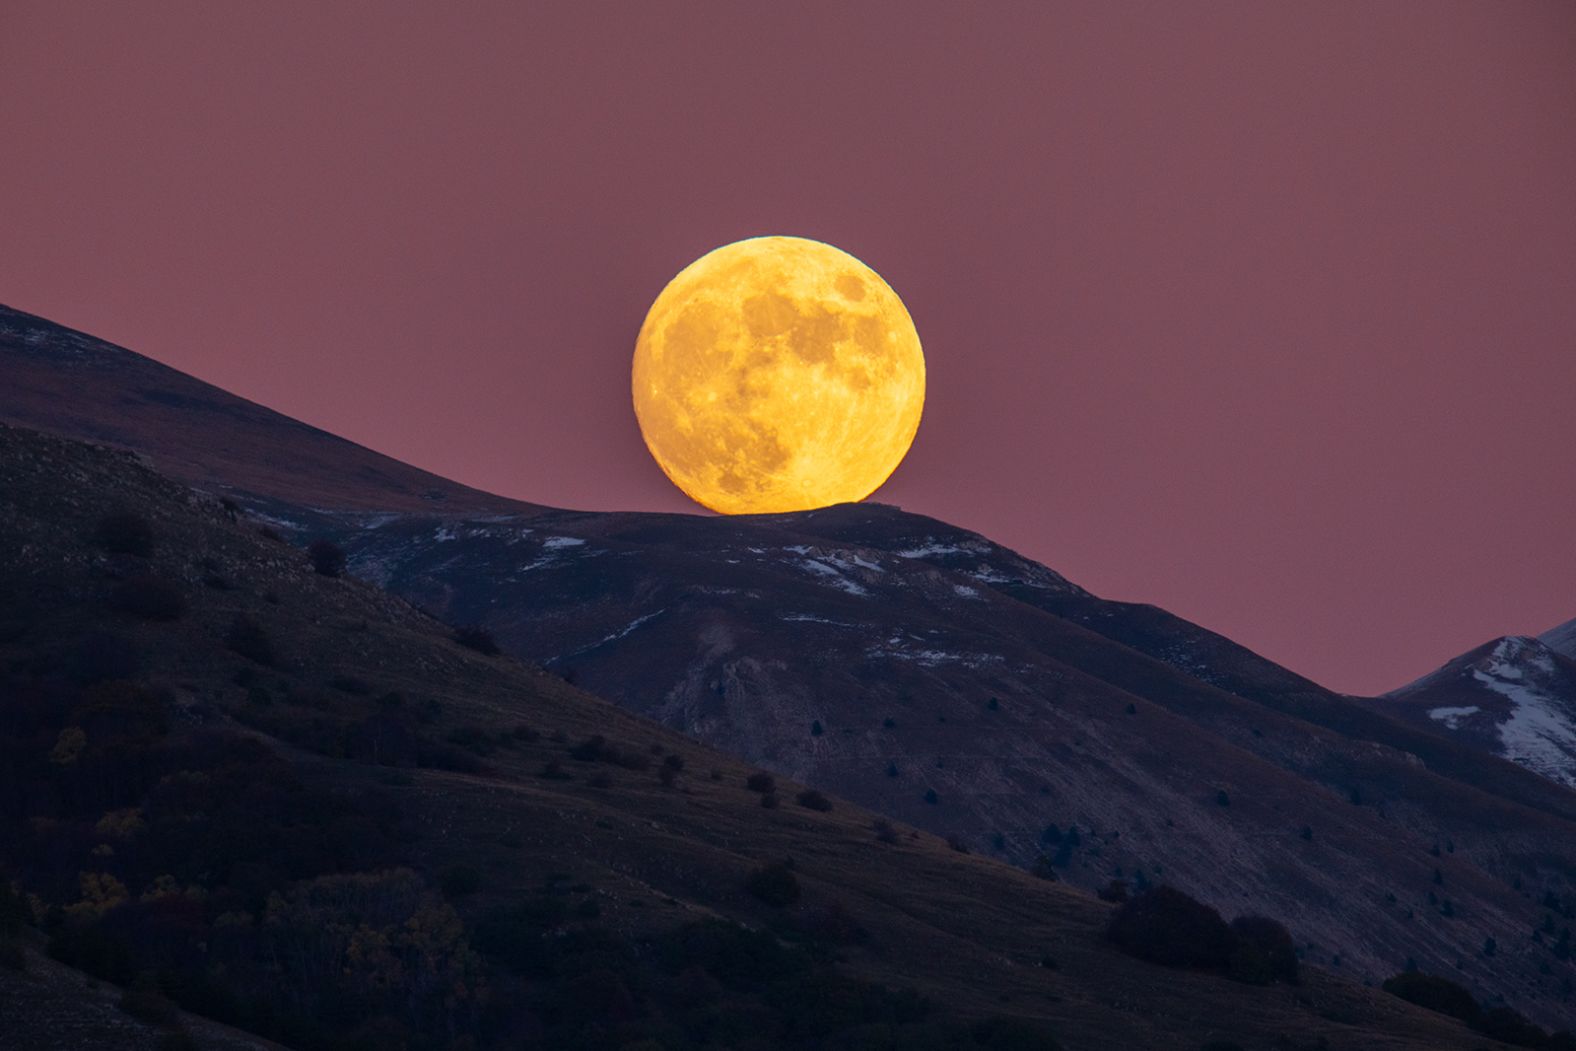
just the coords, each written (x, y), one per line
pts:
(710, 984)
(196, 867)
(1166, 926)
(1499, 1023)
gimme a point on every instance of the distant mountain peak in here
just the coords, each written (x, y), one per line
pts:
(1515, 659)
(1514, 696)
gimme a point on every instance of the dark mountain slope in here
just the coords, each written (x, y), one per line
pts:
(915, 667)
(62, 381)
(454, 770)
(50, 1007)
(937, 677)
(1195, 651)
(1561, 639)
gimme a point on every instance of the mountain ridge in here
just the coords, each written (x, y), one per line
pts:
(931, 675)
(67, 382)
(599, 829)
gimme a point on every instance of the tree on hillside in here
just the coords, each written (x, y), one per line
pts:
(328, 558)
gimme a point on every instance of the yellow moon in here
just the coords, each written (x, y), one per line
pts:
(778, 374)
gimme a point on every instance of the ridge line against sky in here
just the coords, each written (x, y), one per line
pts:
(1260, 315)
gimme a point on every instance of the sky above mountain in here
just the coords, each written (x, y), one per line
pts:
(1257, 312)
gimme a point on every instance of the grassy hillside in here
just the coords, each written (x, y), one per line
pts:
(294, 803)
(915, 669)
(66, 382)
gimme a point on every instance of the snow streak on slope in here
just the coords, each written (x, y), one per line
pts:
(1452, 717)
(1539, 731)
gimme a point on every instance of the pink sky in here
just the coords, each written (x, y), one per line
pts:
(1265, 313)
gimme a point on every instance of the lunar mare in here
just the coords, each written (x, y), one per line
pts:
(778, 374)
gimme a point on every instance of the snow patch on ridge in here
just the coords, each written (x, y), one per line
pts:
(477, 530)
(831, 576)
(553, 550)
(1452, 717)
(1538, 732)
(929, 548)
(931, 658)
(615, 636)
(810, 618)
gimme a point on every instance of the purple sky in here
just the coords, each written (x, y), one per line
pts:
(1265, 313)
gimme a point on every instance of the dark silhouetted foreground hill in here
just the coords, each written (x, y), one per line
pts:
(65, 382)
(294, 803)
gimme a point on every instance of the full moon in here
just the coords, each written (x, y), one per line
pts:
(778, 374)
